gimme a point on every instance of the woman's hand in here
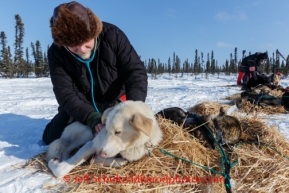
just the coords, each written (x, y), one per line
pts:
(98, 128)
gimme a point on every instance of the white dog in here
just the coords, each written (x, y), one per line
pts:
(276, 78)
(130, 128)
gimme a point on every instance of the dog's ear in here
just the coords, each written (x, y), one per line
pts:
(142, 123)
(222, 111)
(105, 114)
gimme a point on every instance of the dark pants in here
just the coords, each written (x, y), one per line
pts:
(54, 129)
(249, 75)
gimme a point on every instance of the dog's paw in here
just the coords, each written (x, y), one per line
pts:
(53, 163)
(120, 162)
(110, 162)
(55, 159)
(57, 167)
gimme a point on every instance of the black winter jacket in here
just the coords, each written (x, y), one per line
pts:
(241, 67)
(250, 60)
(116, 68)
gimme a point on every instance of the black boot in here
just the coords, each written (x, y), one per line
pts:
(245, 88)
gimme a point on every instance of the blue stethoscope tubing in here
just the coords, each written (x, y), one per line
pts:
(86, 62)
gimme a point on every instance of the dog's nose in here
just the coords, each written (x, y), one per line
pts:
(102, 154)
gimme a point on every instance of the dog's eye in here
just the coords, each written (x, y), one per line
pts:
(117, 132)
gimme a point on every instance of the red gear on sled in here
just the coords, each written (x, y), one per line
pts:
(280, 74)
(241, 73)
(240, 76)
(123, 98)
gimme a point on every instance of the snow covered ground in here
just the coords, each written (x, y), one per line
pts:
(27, 105)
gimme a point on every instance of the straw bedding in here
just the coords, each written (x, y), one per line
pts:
(245, 106)
(207, 107)
(260, 169)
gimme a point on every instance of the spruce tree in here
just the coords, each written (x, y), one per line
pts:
(268, 66)
(243, 54)
(45, 65)
(149, 68)
(277, 62)
(178, 64)
(169, 66)
(235, 69)
(154, 64)
(196, 68)
(186, 66)
(202, 64)
(273, 65)
(37, 52)
(227, 68)
(11, 66)
(218, 69)
(159, 67)
(174, 63)
(19, 62)
(208, 64)
(26, 66)
(213, 68)
(5, 63)
(231, 65)
(3, 55)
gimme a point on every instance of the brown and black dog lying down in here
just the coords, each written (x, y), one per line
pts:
(285, 96)
(226, 129)
(261, 96)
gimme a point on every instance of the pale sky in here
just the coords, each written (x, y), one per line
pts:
(158, 28)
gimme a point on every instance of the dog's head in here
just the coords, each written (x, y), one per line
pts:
(276, 78)
(227, 128)
(175, 114)
(128, 125)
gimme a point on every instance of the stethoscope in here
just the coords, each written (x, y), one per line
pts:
(86, 62)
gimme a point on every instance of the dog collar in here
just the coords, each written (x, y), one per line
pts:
(149, 147)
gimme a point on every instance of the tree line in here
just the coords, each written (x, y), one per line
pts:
(276, 63)
(21, 65)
